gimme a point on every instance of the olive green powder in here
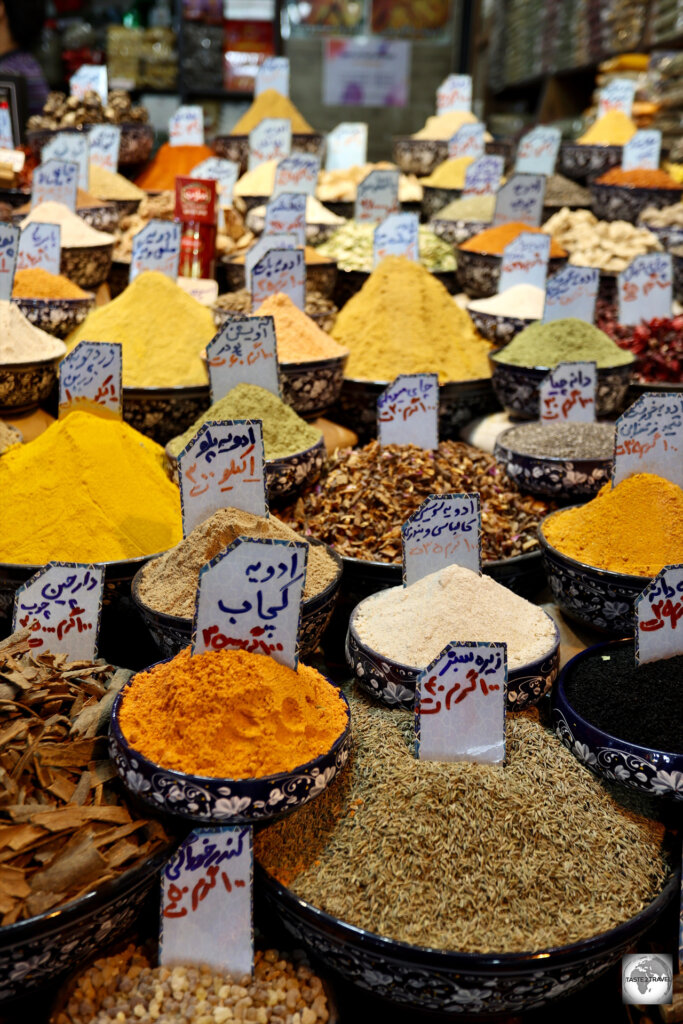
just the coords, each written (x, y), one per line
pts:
(561, 341)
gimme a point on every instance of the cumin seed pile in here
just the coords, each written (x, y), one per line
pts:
(476, 858)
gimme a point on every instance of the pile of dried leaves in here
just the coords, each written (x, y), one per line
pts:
(65, 826)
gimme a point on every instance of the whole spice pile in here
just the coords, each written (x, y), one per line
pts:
(450, 174)
(169, 162)
(62, 111)
(366, 494)
(169, 584)
(271, 103)
(340, 186)
(561, 440)
(109, 185)
(299, 339)
(36, 283)
(240, 302)
(639, 177)
(607, 245)
(352, 247)
(559, 341)
(492, 241)
(612, 129)
(469, 208)
(550, 854)
(21, 342)
(656, 344)
(75, 233)
(668, 216)
(231, 714)
(65, 827)
(127, 989)
(525, 301)
(561, 191)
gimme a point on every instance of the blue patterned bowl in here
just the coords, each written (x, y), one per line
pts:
(162, 413)
(56, 316)
(654, 772)
(479, 272)
(418, 156)
(584, 162)
(550, 476)
(216, 801)
(236, 147)
(23, 386)
(456, 231)
(624, 202)
(87, 266)
(496, 327)
(483, 985)
(313, 388)
(394, 684)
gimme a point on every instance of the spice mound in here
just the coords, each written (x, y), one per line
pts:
(558, 341)
(413, 624)
(74, 495)
(127, 989)
(162, 330)
(449, 174)
(339, 186)
(404, 321)
(561, 191)
(607, 245)
(550, 854)
(612, 129)
(299, 339)
(561, 440)
(444, 126)
(169, 584)
(36, 283)
(271, 103)
(316, 213)
(492, 241)
(656, 344)
(284, 432)
(65, 826)
(21, 342)
(668, 216)
(231, 714)
(109, 185)
(169, 163)
(634, 528)
(316, 303)
(352, 247)
(469, 208)
(75, 233)
(637, 703)
(639, 177)
(525, 301)
(366, 494)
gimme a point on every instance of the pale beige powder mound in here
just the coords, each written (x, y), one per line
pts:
(21, 342)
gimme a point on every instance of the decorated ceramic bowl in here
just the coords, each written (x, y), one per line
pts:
(236, 147)
(163, 413)
(654, 772)
(312, 388)
(125, 207)
(550, 476)
(418, 156)
(479, 272)
(456, 231)
(23, 386)
(58, 317)
(435, 199)
(137, 140)
(102, 216)
(351, 281)
(496, 327)
(320, 277)
(583, 163)
(216, 801)
(87, 266)
(624, 202)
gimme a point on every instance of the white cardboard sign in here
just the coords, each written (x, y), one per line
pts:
(567, 394)
(105, 142)
(521, 199)
(243, 352)
(71, 148)
(186, 127)
(467, 141)
(377, 196)
(90, 379)
(445, 530)
(55, 181)
(398, 235)
(297, 172)
(649, 438)
(346, 146)
(454, 93)
(572, 292)
(525, 261)
(280, 270)
(156, 247)
(408, 411)
(538, 151)
(61, 606)
(645, 288)
(659, 617)
(271, 139)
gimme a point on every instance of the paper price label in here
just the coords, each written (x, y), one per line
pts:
(90, 380)
(460, 705)
(377, 196)
(525, 261)
(186, 127)
(572, 292)
(202, 289)
(482, 178)
(264, 244)
(269, 140)
(249, 599)
(396, 236)
(90, 78)
(467, 141)
(618, 96)
(521, 199)
(280, 270)
(206, 901)
(243, 352)
(408, 411)
(297, 173)
(6, 133)
(39, 246)
(445, 530)
(644, 289)
(567, 393)
(659, 617)
(156, 247)
(222, 466)
(105, 143)
(642, 150)
(224, 172)
(273, 74)
(346, 146)
(61, 606)
(286, 215)
(71, 148)
(454, 93)
(55, 181)
(9, 252)
(649, 438)
(15, 158)
(537, 152)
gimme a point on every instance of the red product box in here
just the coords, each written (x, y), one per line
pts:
(196, 209)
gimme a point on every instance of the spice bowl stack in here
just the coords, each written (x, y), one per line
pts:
(58, 317)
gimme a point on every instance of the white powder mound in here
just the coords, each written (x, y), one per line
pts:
(75, 234)
(21, 342)
(522, 300)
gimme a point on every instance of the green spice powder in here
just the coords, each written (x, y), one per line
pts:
(560, 341)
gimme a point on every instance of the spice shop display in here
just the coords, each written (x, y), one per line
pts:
(21, 342)
(623, 195)
(352, 247)
(61, 111)
(607, 245)
(656, 344)
(559, 341)
(561, 191)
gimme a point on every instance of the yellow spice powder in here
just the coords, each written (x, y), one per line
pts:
(612, 129)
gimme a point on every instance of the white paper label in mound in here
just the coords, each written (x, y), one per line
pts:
(286, 215)
(445, 530)
(105, 143)
(454, 93)
(39, 246)
(243, 352)
(521, 199)
(537, 151)
(346, 146)
(224, 172)
(9, 254)
(280, 270)
(525, 261)
(408, 411)
(377, 196)
(271, 139)
(61, 606)
(264, 244)
(90, 78)
(186, 127)
(482, 178)
(659, 615)
(567, 394)
(571, 292)
(617, 95)
(645, 288)
(649, 438)
(71, 147)
(273, 74)
(642, 151)
(156, 247)
(460, 704)
(467, 141)
(90, 379)
(297, 172)
(55, 181)
(396, 236)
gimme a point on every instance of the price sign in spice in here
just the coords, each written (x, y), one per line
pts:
(249, 599)
(243, 352)
(567, 393)
(225, 172)
(408, 411)
(271, 139)
(105, 143)
(156, 247)
(6, 133)
(377, 196)
(186, 127)
(482, 178)
(286, 215)
(90, 78)
(572, 292)
(90, 380)
(61, 606)
(454, 93)
(346, 146)
(39, 246)
(297, 173)
(525, 261)
(460, 705)
(280, 270)
(264, 244)
(467, 141)
(521, 199)
(55, 181)
(72, 148)
(644, 289)
(273, 74)
(206, 902)
(617, 96)
(222, 466)
(396, 236)
(649, 438)
(445, 530)
(538, 149)
(9, 252)
(642, 150)
(659, 617)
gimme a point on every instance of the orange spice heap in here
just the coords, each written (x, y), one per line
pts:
(639, 177)
(36, 283)
(299, 339)
(494, 240)
(170, 162)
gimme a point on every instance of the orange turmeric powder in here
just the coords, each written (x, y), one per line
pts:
(493, 240)
(231, 714)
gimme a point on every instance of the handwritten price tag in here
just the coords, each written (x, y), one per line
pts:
(14, 158)
(642, 150)
(618, 96)
(346, 146)
(55, 181)
(445, 530)
(644, 289)
(521, 199)
(72, 148)
(397, 236)
(537, 152)
(222, 466)
(271, 139)
(90, 379)
(61, 606)
(567, 393)
(408, 411)
(659, 614)
(264, 244)
(454, 93)
(297, 173)
(525, 261)
(243, 352)
(249, 599)
(377, 196)
(273, 74)
(7, 140)
(482, 178)
(460, 705)
(649, 438)
(105, 143)
(206, 901)
(9, 252)
(286, 215)
(39, 246)
(90, 78)
(572, 293)
(186, 127)
(224, 172)
(280, 270)
(467, 141)
(156, 247)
